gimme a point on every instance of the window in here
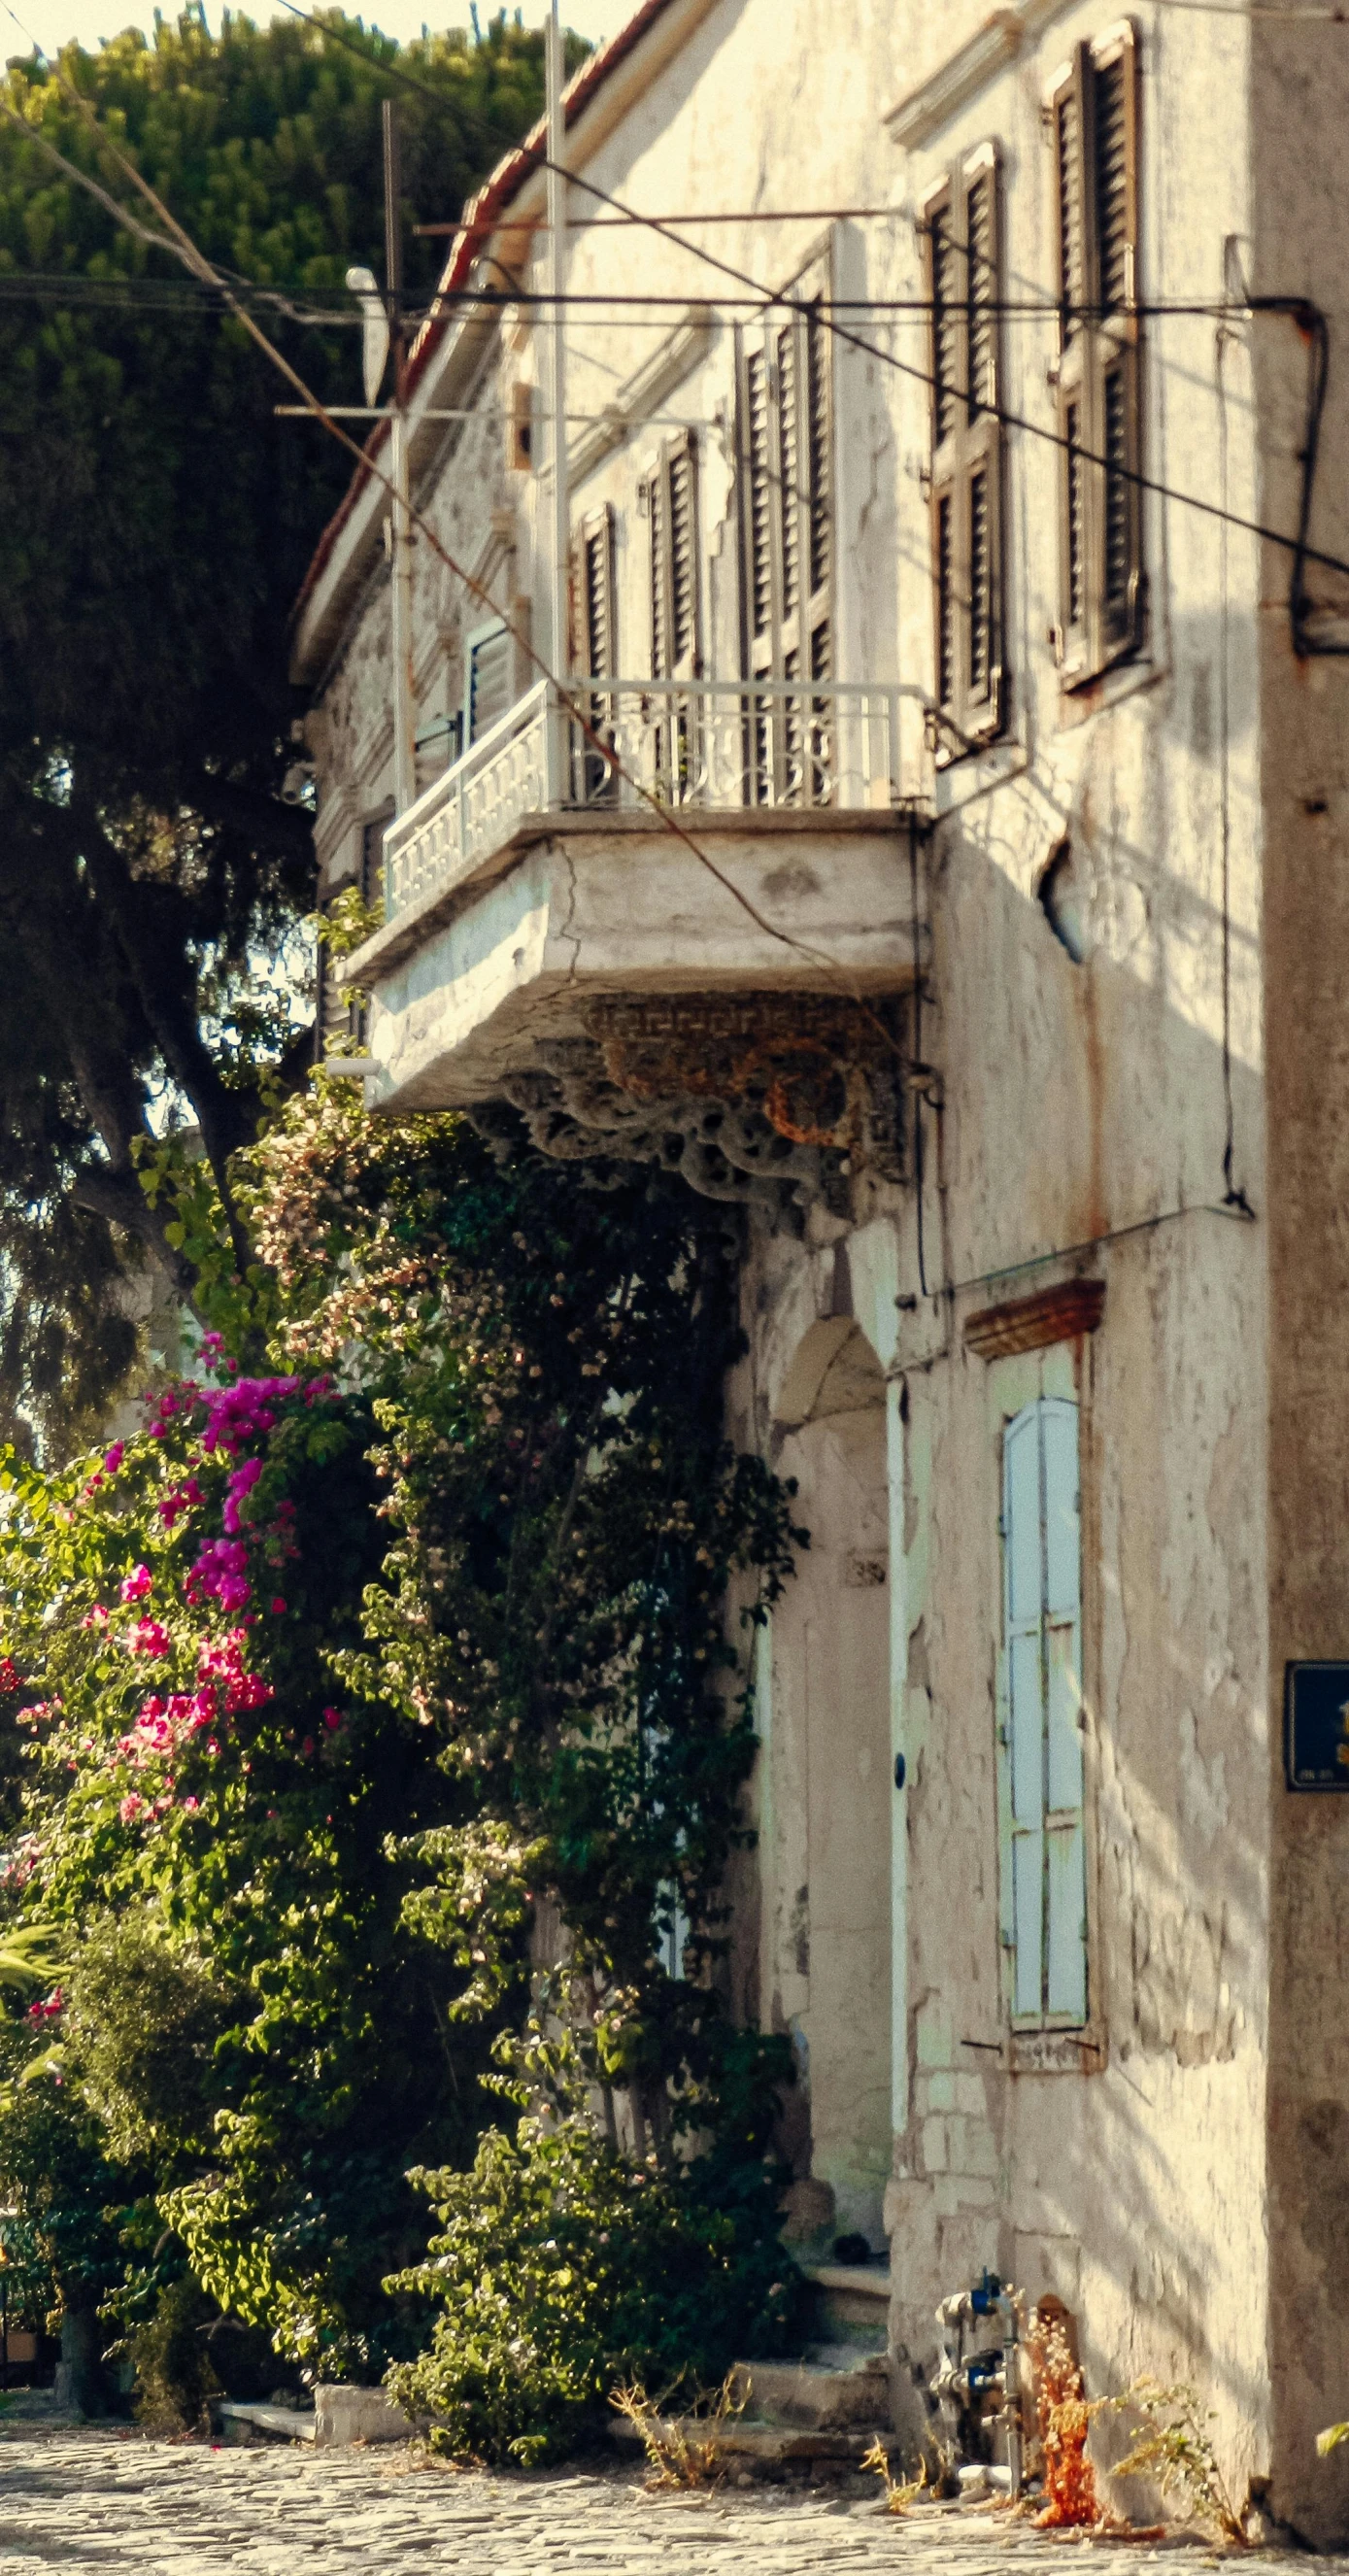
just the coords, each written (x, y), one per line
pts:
(787, 544)
(489, 676)
(962, 239)
(593, 588)
(1044, 1899)
(1093, 121)
(335, 1015)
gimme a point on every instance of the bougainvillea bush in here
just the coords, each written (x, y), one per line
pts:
(412, 1622)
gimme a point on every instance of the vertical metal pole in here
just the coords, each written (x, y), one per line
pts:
(561, 531)
(404, 704)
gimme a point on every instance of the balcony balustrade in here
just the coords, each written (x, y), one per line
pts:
(533, 889)
(683, 745)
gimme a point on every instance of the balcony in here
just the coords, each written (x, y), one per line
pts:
(536, 895)
(702, 746)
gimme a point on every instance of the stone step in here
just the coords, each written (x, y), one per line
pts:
(763, 2448)
(852, 2301)
(835, 2389)
(241, 2421)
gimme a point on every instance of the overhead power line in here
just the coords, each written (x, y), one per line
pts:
(178, 240)
(783, 301)
(767, 299)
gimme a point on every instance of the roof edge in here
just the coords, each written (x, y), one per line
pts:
(481, 217)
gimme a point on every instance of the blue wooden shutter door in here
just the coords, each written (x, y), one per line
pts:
(1045, 1916)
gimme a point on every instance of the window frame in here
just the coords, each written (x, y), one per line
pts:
(964, 452)
(1097, 348)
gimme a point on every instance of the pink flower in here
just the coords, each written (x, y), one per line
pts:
(237, 1491)
(112, 1458)
(137, 1583)
(179, 1500)
(332, 1719)
(278, 1608)
(95, 1618)
(148, 1637)
(221, 1571)
(130, 1807)
(191, 1806)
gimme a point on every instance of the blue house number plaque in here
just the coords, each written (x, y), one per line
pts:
(1316, 1725)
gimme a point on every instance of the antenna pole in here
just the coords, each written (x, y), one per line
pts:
(404, 702)
(557, 245)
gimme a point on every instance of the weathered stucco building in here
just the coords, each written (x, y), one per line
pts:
(954, 579)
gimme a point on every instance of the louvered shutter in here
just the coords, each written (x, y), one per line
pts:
(488, 691)
(787, 524)
(961, 232)
(594, 579)
(1041, 1772)
(672, 503)
(595, 642)
(671, 493)
(1094, 129)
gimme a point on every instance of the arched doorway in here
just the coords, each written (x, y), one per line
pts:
(826, 1840)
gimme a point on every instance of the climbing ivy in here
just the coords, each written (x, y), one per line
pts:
(360, 1667)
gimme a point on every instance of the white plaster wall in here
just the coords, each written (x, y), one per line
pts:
(1076, 1101)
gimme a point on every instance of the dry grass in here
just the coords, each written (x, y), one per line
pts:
(679, 2454)
(900, 2493)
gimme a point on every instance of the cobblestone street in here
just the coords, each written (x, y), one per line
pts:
(109, 2502)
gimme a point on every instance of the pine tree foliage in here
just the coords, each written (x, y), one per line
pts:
(155, 524)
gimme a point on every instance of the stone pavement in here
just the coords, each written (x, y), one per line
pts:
(104, 2501)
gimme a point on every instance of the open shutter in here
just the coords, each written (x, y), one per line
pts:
(961, 231)
(1065, 1852)
(672, 492)
(786, 449)
(488, 691)
(1115, 181)
(594, 621)
(1044, 1859)
(597, 594)
(1094, 128)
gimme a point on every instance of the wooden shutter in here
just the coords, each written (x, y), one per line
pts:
(1041, 1772)
(594, 580)
(595, 645)
(787, 518)
(488, 678)
(1093, 121)
(672, 508)
(962, 238)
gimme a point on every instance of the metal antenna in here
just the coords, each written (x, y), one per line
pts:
(404, 701)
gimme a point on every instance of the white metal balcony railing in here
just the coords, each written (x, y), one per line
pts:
(710, 744)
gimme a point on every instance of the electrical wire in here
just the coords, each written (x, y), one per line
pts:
(178, 240)
(805, 307)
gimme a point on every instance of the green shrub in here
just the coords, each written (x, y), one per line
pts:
(561, 2268)
(174, 2377)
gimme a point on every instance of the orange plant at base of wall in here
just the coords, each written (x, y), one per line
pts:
(1064, 2422)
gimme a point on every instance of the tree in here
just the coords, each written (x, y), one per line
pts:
(156, 525)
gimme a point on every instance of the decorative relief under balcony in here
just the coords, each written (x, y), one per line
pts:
(776, 1100)
(822, 1072)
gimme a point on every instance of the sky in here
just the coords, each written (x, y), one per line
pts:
(53, 22)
